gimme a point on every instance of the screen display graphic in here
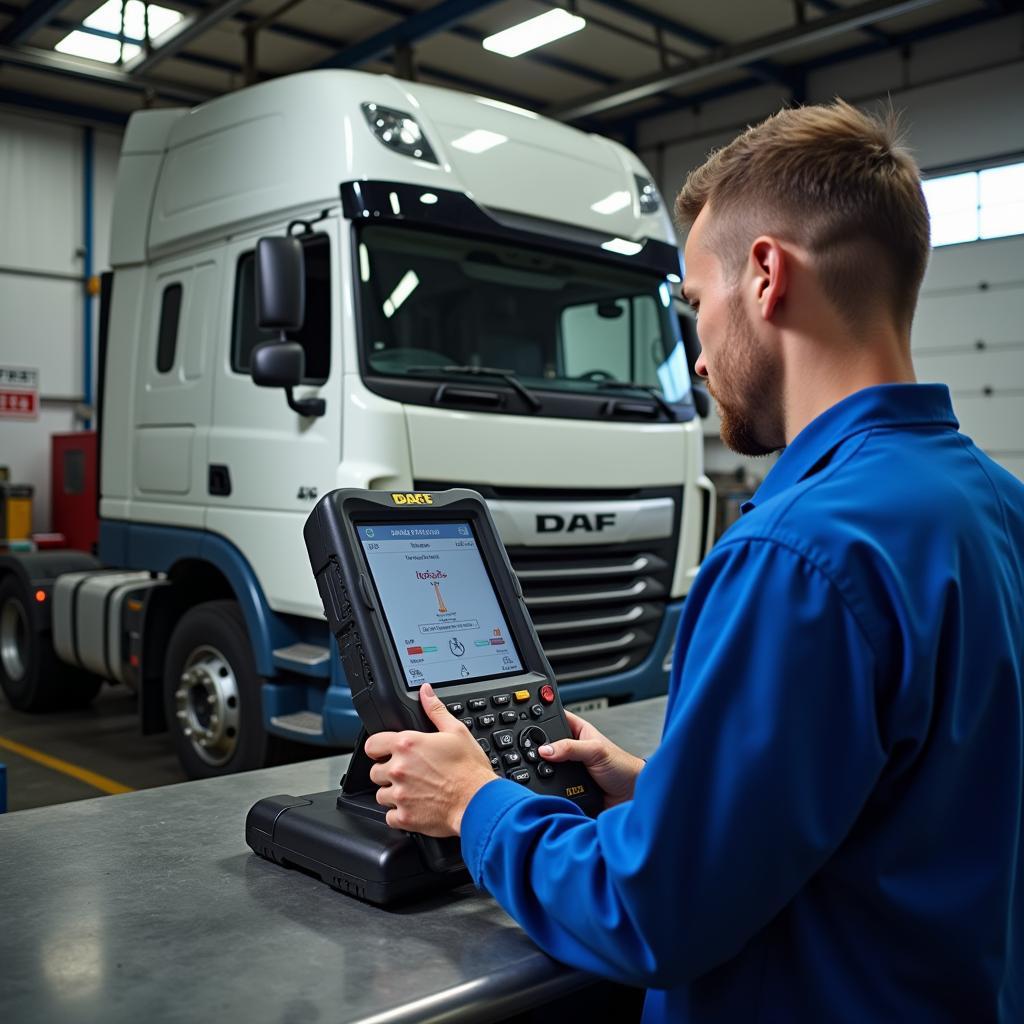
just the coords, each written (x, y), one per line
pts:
(439, 603)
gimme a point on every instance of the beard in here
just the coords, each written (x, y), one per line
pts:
(748, 392)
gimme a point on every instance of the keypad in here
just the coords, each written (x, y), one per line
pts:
(484, 745)
(522, 776)
(537, 711)
(503, 740)
(532, 756)
(508, 717)
(477, 703)
(456, 709)
(468, 723)
(512, 758)
(485, 721)
(545, 770)
(499, 700)
(496, 763)
(521, 696)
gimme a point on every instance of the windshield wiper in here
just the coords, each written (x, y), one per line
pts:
(648, 389)
(508, 376)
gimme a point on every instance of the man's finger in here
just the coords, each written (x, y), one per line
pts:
(380, 744)
(436, 711)
(576, 724)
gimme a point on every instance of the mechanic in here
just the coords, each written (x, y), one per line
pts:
(830, 829)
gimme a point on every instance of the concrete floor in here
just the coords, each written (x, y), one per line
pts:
(103, 738)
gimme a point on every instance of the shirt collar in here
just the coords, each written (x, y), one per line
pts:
(884, 405)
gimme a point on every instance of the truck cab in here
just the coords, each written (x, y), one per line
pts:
(487, 304)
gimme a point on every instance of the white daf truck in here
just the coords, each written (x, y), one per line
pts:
(486, 304)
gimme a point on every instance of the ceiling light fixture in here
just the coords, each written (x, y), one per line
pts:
(539, 31)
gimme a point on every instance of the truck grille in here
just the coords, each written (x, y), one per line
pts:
(597, 608)
(597, 612)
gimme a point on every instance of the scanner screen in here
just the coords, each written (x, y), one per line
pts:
(439, 602)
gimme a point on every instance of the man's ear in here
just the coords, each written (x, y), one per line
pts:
(769, 265)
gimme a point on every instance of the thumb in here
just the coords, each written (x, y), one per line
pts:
(585, 751)
(435, 710)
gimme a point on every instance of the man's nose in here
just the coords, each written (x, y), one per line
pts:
(700, 367)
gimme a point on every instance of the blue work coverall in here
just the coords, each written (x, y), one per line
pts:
(831, 827)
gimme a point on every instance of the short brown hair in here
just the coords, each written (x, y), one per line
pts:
(834, 180)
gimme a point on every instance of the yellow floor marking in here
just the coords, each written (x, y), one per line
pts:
(100, 782)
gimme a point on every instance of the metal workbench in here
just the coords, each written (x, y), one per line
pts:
(149, 907)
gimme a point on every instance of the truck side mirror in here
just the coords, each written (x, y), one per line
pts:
(282, 364)
(280, 284)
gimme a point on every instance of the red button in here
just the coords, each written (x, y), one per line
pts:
(547, 694)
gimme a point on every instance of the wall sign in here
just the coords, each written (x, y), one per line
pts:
(19, 393)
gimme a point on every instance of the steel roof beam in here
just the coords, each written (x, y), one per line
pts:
(400, 10)
(762, 69)
(944, 27)
(828, 6)
(844, 20)
(30, 18)
(17, 98)
(411, 29)
(187, 35)
(60, 64)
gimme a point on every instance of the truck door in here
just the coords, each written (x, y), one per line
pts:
(172, 408)
(268, 463)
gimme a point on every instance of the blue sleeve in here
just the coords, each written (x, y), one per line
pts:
(770, 749)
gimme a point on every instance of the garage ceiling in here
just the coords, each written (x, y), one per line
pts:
(634, 58)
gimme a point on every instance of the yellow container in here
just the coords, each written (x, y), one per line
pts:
(15, 511)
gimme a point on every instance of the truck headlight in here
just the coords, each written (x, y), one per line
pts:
(398, 131)
(650, 201)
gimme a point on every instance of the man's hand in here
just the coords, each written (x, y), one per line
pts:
(612, 768)
(427, 779)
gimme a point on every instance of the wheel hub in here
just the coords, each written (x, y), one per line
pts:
(208, 705)
(13, 639)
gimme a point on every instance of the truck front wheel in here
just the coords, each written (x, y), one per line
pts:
(212, 693)
(30, 675)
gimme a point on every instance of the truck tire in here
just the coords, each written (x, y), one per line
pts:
(31, 676)
(212, 693)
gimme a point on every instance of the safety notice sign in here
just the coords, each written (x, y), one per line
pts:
(19, 392)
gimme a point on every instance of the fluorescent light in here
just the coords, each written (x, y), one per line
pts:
(528, 35)
(623, 246)
(613, 203)
(364, 264)
(396, 206)
(479, 141)
(402, 291)
(428, 199)
(674, 278)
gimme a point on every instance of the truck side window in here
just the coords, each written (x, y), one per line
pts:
(167, 335)
(315, 334)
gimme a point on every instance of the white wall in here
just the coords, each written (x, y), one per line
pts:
(962, 98)
(41, 317)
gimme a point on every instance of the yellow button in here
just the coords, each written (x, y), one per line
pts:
(521, 696)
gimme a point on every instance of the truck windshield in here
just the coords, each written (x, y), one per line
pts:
(553, 322)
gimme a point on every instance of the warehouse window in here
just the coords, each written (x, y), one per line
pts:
(117, 31)
(976, 204)
(167, 335)
(314, 335)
